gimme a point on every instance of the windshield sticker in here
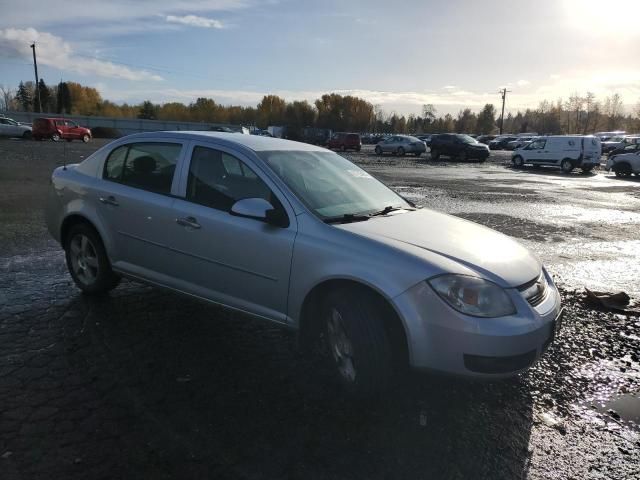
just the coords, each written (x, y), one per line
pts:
(359, 174)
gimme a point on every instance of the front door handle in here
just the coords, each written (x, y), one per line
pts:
(110, 200)
(188, 222)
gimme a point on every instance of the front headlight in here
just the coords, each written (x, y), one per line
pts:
(473, 296)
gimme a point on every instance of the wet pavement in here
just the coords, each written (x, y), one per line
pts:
(145, 384)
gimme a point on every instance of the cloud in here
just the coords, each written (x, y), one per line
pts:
(97, 14)
(523, 83)
(194, 21)
(54, 52)
(449, 87)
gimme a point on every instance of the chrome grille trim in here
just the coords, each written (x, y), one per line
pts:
(535, 291)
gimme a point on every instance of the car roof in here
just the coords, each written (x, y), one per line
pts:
(257, 143)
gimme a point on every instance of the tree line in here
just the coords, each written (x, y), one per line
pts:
(577, 114)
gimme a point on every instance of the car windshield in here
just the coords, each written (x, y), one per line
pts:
(616, 139)
(330, 185)
(467, 139)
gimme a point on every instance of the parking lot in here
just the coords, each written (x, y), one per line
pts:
(145, 384)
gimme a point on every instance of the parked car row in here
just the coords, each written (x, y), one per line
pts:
(55, 129)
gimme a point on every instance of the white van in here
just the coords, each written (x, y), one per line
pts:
(564, 151)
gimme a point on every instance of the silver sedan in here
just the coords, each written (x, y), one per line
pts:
(297, 235)
(401, 145)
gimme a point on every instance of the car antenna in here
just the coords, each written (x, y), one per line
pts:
(64, 148)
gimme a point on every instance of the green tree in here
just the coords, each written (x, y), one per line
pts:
(148, 111)
(486, 119)
(63, 101)
(45, 96)
(24, 97)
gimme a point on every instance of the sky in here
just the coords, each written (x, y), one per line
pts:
(399, 55)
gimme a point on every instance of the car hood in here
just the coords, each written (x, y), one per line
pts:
(452, 245)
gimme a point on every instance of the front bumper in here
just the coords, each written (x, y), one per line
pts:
(444, 340)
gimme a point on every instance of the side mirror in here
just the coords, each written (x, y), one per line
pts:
(260, 209)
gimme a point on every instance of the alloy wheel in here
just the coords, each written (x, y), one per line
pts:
(340, 346)
(84, 259)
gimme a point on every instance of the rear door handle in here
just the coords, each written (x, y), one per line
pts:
(188, 222)
(110, 200)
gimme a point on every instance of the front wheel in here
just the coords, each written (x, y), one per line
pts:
(586, 169)
(435, 154)
(86, 138)
(566, 165)
(400, 151)
(518, 161)
(354, 334)
(88, 262)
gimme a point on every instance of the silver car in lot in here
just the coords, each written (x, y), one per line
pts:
(298, 235)
(401, 145)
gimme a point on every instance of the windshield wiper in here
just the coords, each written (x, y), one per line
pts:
(347, 218)
(387, 210)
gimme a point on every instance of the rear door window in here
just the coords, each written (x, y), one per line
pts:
(148, 166)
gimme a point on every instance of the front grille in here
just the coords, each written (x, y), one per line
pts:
(535, 291)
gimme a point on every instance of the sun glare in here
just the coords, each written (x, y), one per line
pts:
(591, 15)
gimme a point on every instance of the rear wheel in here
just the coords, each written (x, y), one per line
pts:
(566, 165)
(435, 154)
(56, 137)
(378, 150)
(400, 151)
(88, 262)
(354, 335)
(586, 169)
(518, 161)
(462, 156)
(343, 148)
(417, 154)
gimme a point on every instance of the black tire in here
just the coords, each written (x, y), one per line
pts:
(26, 135)
(56, 137)
(462, 156)
(92, 272)
(518, 161)
(343, 148)
(86, 138)
(400, 151)
(378, 150)
(566, 165)
(622, 169)
(417, 154)
(586, 169)
(435, 155)
(358, 149)
(360, 314)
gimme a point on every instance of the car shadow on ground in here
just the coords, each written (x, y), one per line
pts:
(197, 391)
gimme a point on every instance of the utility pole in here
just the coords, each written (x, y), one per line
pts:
(504, 92)
(35, 67)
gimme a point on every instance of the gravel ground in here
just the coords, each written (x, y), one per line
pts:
(145, 384)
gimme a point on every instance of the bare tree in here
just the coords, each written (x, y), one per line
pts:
(7, 94)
